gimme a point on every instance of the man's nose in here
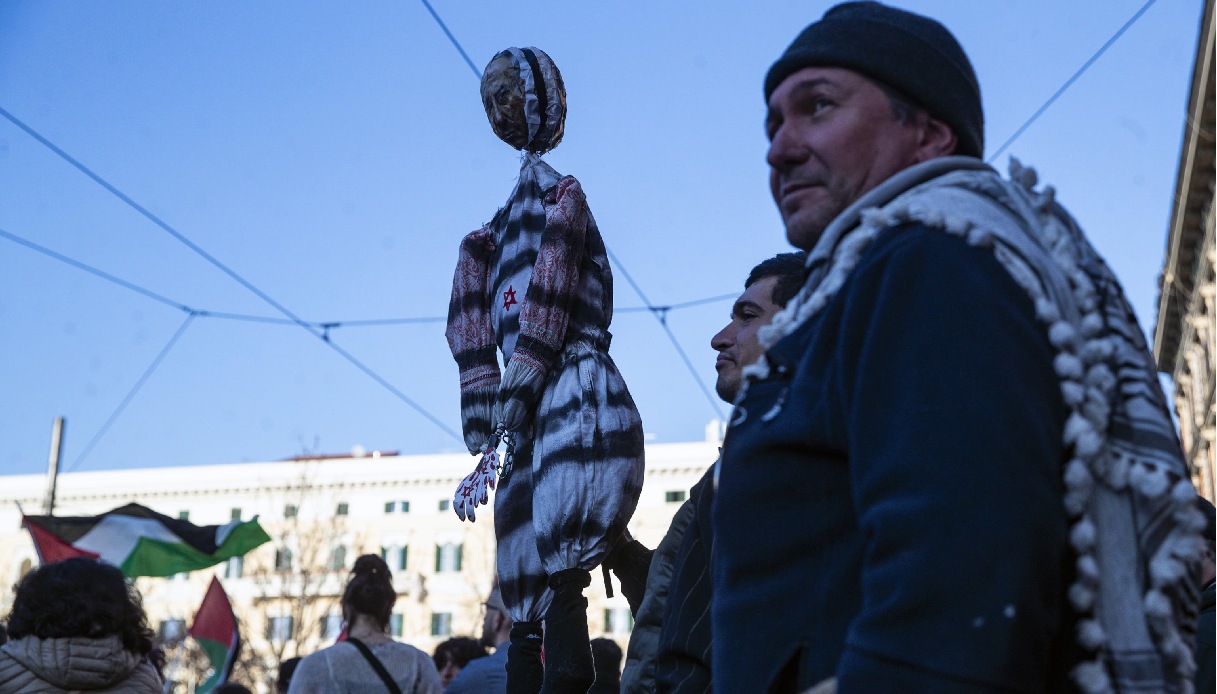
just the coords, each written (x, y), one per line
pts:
(785, 148)
(722, 339)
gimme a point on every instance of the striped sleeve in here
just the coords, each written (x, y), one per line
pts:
(555, 276)
(470, 336)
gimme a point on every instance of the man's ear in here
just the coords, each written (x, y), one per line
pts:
(934, 139)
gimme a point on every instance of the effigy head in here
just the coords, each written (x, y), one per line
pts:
(525, 99)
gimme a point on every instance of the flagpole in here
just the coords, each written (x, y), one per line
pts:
(52, 466)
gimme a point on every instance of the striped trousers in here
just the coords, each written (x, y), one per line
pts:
(574, 485)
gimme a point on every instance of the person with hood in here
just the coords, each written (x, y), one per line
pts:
(77, 626)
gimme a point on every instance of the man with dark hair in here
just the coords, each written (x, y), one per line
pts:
(286, 669)
(769, 286)
(453, 655)
(669, 649)
(606, 655)
(931, 481)
(75, 625)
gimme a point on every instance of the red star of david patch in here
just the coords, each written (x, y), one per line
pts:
(509, 298)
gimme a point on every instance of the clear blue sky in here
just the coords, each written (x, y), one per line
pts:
(334, 155)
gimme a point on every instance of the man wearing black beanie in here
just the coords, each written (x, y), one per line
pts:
(931, 481)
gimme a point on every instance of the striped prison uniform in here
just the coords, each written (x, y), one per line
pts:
(536, 281)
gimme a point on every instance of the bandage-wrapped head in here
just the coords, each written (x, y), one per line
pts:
(525, 99)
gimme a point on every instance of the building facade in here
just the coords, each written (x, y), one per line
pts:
(1184, 334)
(322, 513)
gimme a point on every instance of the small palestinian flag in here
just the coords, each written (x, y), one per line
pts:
(141, 541)
(215, 628)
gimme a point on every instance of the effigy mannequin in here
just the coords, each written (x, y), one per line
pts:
(535, 283)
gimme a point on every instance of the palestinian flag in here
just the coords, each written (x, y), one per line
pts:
(215, 628)
(141, 541)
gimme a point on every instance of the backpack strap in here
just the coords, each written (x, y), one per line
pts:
(376, 665)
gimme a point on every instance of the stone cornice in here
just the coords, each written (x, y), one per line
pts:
(1193, 197)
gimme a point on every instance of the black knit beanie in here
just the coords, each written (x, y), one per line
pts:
(914, 55)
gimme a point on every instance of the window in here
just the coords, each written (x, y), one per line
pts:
(172, 631)
(448, 557)
(618, 620)
(338, 558)
(673, 497)
(283, 559)
(395, 623)
(441, 623)
(404, 506)
(395, 556)
(290, 511)
(279, 629)
(235, 514)
(390, 506)
(343, 509)
(234, 567)
(183, 515)
(331, 627)
(444, 504)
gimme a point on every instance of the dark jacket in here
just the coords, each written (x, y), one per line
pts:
(682, 657)
(889, 503)
(638, 674)
(669, 649)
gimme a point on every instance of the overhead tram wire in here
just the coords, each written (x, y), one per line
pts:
(660, 313)
(674, 307)
(192, 313)
(452, 38)
(318, 333)
(153, 218)
(1069, 82)
(94, 271)
(323, 325)
(139, 383)
(662, 316)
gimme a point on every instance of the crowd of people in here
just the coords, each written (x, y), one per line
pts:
(949, 468)
(78, 625)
